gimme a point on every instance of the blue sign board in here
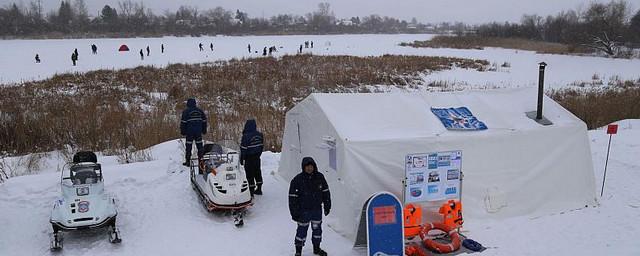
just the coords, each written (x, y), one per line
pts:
(460, 119)
(385, 232)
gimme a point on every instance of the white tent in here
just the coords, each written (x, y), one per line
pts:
(515, 167)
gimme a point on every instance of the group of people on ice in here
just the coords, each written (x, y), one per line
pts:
(309, 195)
(267, 51)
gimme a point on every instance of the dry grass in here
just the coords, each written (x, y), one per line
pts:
(479, 43)
(598, 107)
(113, 110)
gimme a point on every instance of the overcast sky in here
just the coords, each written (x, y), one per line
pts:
(470, 11)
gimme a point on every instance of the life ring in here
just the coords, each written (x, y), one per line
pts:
(440, 247)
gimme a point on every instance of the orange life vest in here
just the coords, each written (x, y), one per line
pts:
(412, 220)
(452, 213)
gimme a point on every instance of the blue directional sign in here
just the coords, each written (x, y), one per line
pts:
(385, 232)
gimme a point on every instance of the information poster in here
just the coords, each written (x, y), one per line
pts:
(433, 176)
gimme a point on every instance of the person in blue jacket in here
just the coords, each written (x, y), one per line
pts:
(251, 148)
(193, 125)
(308, 192)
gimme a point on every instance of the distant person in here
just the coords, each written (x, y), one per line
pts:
(74, 58)
(193, 125)
(201, 49)
(264, 51)
(308, 192)
(249, 47)
(300, 51)
(251, 148)
(76, 53)
(37, 58)
(141, 55)
(162, 48)
(94, 49)
(148, 51)
(306, 44)
(311, 44)
(211, 46)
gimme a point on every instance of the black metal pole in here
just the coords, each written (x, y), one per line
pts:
(605, 165)
(540, 90)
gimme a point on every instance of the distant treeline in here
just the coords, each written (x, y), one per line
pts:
(131, 18)
(604, 27)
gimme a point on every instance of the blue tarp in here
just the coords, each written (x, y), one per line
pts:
(458, 119)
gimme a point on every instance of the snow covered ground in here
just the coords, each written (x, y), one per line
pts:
(17, 57)
(161, 215)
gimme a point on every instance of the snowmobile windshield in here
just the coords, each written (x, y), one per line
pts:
(84, 175)
(228, 145)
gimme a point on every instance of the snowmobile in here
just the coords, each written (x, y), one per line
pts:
(84, 204)
(220, 180)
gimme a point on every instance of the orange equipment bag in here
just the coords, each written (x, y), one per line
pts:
(414, 250)
(412, 220)
(452, 212)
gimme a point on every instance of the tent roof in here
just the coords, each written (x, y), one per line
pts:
(383, 116)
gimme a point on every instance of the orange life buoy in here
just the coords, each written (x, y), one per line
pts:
(412, 220)
(440, 247)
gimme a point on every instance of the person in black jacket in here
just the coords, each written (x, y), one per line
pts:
(251, 148)
(193, 125)
(308, 192)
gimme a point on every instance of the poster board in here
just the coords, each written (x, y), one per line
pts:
(431, 177)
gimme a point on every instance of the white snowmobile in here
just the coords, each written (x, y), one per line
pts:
(84, 203)
(220, 180)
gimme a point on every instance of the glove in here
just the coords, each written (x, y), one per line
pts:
(326, 211)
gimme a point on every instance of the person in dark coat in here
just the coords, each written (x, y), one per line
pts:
(308, 192)
(141, 55)
(94, 49)
(76, 53)
(211, 46)
(264, 51)
(193, 125)
(311, 44)
(251, 148)
(300, 51)
(74, 58)
(148, 50)
(200, 45)
(37, 58)
(249, 47)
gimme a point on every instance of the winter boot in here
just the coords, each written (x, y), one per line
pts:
(298, 250)
(318, 251)
(258, 190)
(187, 161)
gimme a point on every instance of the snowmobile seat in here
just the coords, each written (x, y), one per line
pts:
(85, 157)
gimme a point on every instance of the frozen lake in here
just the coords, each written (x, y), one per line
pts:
(17, 63)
